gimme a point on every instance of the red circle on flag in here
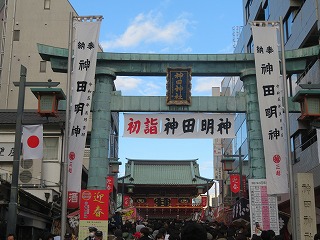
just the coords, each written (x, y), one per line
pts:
(33, 141)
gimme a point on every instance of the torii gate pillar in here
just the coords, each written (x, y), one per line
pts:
(256, 153)
(101, 120)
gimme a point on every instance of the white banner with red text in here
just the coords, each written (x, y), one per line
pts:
(82, 86)
(270, 95)
(171, 126)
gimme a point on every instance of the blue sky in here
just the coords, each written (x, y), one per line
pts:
(166, 26)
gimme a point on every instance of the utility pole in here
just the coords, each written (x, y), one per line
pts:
(13, 204)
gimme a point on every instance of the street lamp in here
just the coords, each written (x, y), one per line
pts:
(122, 187)
(130, 188)
(114, 166)
(229, 159)
(48, 100)
(227, 163)
(12, 209)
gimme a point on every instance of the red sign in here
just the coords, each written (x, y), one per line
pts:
(73, 200)
(204, 201)
(126, 201)
(235, 183)
(94, 205)
(109, 184)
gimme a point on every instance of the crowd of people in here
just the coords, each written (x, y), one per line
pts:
(187, 230)
(176, 230)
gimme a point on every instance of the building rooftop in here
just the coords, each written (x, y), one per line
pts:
(163, 172)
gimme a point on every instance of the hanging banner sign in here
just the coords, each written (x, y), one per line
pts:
(235, 183)
(94, 211)
(94, 205)
(82, 86)
(109, 184)
(204, 200)
(270, 95)
(126, 201)
(171, 126)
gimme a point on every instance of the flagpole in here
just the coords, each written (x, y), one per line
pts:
(66, 135)
(289, 164)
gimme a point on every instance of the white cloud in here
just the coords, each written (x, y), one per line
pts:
(127, 83)
(151, 89)
(146, 29)
(138, 86)
(205, 84)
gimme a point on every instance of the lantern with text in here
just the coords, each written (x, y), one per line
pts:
(48, 99)
(227, 163)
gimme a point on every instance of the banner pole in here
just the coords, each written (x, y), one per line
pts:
(66, 135)
(290, 166)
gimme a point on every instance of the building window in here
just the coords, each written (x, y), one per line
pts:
(43, 66)
(47, 4)
(287, 29)
(288, 22)
(16, 35)
(292, 84)
(51, 148)
(308, 137)
(250, 46)
(247, 9)
(297, 147)
(266, 11)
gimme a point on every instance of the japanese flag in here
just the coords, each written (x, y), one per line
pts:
(32, 141)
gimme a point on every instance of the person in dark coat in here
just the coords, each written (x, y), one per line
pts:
(193, 231)
(145, 233)
(92, 233)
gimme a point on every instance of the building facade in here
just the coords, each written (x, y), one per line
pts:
(24, 24)
(301, 29)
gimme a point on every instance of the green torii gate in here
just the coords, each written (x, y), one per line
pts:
(106, 100)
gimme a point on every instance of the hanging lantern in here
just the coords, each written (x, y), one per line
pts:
(130, 188)
(227, 163)
(48, 100)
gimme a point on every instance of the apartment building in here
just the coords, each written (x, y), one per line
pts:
(24, 24)
(301, 29)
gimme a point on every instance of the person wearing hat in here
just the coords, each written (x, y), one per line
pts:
(92, 233)
(99, 235)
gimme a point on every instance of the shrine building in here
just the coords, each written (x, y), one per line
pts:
(164, 189)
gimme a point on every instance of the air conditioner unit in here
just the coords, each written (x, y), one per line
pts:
(30, 172)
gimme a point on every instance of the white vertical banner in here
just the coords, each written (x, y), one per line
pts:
(85, 45)
(32, 141)
(270, 94)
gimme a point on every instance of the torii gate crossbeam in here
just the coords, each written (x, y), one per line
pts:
(106, 100)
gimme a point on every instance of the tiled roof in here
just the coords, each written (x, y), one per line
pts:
(163, 172)
(10, 117)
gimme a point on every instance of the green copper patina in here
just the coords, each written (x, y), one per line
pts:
(107, 100)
